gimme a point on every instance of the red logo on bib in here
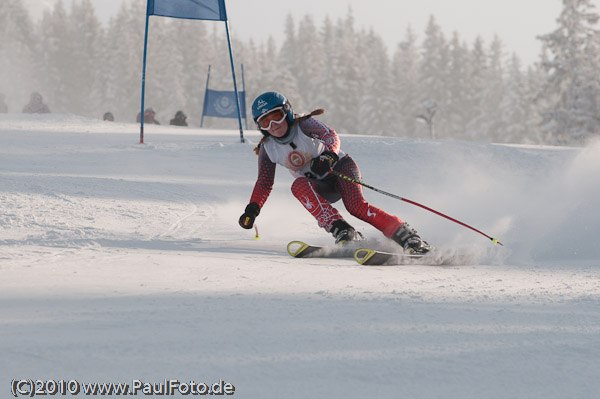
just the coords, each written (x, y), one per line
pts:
(296, 159)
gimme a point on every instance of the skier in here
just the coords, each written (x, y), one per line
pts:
(310, 149)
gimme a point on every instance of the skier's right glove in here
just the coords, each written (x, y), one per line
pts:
(251, 212)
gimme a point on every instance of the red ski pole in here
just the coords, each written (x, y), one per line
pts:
(341, 176)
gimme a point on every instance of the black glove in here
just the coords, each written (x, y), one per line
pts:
(322, 164)
(251, 212)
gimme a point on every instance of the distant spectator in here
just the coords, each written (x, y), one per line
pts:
(108, 116)
(36, 105)
(3, 106)
(148, 116)
(179, 119)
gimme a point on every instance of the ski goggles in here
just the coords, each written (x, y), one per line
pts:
(276, 115)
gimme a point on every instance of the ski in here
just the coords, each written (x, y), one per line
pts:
(372, 257)
(300, 249)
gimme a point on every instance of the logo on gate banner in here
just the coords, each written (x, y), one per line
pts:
(224, 105)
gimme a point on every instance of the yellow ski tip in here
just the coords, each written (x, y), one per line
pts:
(295, 247)
(362, 255)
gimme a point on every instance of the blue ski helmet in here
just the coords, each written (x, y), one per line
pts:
(269, 100)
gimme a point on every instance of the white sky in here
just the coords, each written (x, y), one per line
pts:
(516, 22)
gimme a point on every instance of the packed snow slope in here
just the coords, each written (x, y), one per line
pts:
(122, 261)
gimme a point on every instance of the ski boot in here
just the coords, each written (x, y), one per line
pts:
(343, 232)
(410, 241)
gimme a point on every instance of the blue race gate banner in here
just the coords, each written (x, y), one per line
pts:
(222, 104)
(212, 10)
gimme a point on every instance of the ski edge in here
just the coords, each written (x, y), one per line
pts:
(372, 257)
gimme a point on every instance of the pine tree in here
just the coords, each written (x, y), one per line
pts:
(286, 72)
(56, 59)
(475, 103)
(434, 73)
(532, 79)
(133, 41)
(324, 96)
(572, 84)
(125, 37)
(406, 97)
(192, 51)
(17, 75)
(515, 109)
(114, 67)
(346, 77)
(84, 89)
(376, 101)
(494, 92)
(458, 113)
(289, 53)
(249, 56)
(309, 63)
(162, 74)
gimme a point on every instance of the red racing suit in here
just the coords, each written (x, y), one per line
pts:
(305, 140)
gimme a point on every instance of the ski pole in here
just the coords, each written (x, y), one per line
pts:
(256, 235)
(342, 176)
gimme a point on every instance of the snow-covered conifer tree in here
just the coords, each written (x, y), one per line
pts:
(84, 89)
(55, 55)
(434, 70)
(309, 64)
(572, 84)
(17, 75)
(458, 113)
(404, 87)
(376, 101)
(475, 103)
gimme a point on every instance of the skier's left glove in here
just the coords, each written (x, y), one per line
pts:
(322, 164)
(251, 212)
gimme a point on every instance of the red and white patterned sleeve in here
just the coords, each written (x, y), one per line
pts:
(318, 130)
(265, 180)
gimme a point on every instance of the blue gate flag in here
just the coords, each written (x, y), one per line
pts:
(212, 10)
(222, 104)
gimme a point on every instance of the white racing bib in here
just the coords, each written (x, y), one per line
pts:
(297, 153)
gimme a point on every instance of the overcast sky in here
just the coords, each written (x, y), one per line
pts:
(516, 22)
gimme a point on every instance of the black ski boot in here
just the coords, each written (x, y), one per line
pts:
(410, 241)
(343, 232)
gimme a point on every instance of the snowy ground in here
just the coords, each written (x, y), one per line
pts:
(122, 262)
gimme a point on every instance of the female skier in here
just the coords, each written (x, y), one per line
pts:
(310, 150)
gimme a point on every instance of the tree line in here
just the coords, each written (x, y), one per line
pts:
(440, 86)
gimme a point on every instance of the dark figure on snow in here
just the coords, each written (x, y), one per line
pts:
(148, 116)
(179, 119)
(3, 106)
(108, 116)
(36, 105)
(311, 150)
